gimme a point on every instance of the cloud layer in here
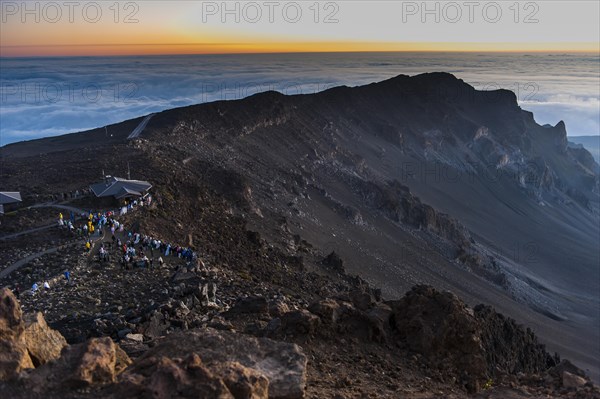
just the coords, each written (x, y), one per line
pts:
(49, 96)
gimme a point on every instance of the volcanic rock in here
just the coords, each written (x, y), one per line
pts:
(283, 364)
(26, 343)
(42, 342)
(252, 304)
(163, 378)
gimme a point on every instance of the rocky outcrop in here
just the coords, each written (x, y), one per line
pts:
(28, 343)
(282, 364)
(11, 316)
(341, 317)
(13, 354)
(191, 378)
(473, 344)
(398, 204)
(448, 340)
(96, 362)
(42, 342)
(442, 329)
(25, 343)
(197, 363)
(169, 378)
(508, 346)
(455, 342)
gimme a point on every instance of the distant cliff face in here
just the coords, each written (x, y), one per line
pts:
(589, 143)
(436, 117)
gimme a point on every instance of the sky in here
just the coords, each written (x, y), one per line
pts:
(75, 28)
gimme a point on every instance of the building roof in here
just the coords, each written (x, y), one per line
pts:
(120, 188)
(8, 197)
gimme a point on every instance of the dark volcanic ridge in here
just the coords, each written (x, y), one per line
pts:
(414, 180)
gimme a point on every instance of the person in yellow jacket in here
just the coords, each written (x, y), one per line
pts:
(92, 228)
(60, 216)
(87, 245)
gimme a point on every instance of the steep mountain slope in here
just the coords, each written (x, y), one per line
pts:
(590, 143)
(412, 180)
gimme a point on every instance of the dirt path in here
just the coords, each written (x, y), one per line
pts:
(28, 231)
(58, 206)
(77, 211)
(21, 262)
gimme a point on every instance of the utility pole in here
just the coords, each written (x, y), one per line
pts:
(128, 171)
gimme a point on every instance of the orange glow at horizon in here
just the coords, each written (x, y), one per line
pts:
(180, 27)
(120, 49)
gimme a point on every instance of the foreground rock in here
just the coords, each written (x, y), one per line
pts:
(24, 344)
(245, 364)
(474, 345)
(428, 341)
(42, 342)
(203, 363)
(95, 362)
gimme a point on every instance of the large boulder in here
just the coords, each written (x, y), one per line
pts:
(25, 343)
(13, 359)
(474, 345)
(164, 378)
(299, 322)
(341, 317)
(282, 364)
(95, 362)
(243, 382)
(444, 330)
(509, 347)
(11, 317)
(42, 342)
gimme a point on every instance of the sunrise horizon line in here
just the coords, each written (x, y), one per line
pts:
(516, 51)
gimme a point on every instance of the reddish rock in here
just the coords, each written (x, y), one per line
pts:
(11, 317)
(243, 382)
(42, 342)
(96, 362)
(13, 359)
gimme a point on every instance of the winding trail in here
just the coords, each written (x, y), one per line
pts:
(58, 206)
(42, 228)
(21, 262)
(29, 231)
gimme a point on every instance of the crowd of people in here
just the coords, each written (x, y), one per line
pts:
(147, 245)
(132, 248)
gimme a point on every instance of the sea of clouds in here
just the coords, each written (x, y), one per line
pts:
(42, 97)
